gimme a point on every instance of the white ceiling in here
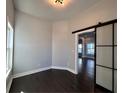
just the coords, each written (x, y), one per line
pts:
(42, 9)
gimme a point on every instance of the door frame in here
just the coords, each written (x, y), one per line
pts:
(76, 48)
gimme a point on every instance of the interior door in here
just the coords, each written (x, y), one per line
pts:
(106, 56)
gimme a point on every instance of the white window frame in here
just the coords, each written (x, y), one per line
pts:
(10, 69)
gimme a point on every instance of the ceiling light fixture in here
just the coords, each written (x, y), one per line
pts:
(59, 1)
(59, 4)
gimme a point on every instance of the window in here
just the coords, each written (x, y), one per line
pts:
(90, 48)
(80, 48)
(9, 55)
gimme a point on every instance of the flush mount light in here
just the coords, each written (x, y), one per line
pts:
(59, 1)
(59, 4)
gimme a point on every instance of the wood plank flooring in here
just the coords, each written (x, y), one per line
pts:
(58, 81)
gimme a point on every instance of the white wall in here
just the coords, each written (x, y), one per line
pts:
(36, 53)
(60, 45)
(102, 11)
(64, 40)
(10, 11)
(33, 43)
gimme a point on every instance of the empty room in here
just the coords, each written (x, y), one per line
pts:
(61, 46)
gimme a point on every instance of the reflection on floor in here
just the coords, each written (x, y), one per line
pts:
(86, 74)
(58, 81)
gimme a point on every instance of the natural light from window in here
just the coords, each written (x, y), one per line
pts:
(90, 48)
(9, 55)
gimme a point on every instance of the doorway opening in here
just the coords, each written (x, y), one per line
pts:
(86, 60)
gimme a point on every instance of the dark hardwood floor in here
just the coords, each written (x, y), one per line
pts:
(59, 81)
(86, 75)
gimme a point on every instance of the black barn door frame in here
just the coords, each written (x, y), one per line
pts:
(112, 22)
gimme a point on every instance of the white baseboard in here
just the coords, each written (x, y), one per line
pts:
(9, 85)
(61, 68)
(30, 72)
(64, 68)
(43, 69)
(72, 71)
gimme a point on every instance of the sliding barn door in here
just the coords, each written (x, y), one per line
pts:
(106, 63)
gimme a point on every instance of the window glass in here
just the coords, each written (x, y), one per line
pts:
(9, 48)
(80, 48)
(90, 48)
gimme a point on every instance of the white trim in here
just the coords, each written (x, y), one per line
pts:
(10, 69)
(10, 25)
(57, 67)
(8, 73)
(9, 85)
(76, 55)
(64, 68)
(43, 69)
(76, 48)
(30, 72)
(35, 71)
